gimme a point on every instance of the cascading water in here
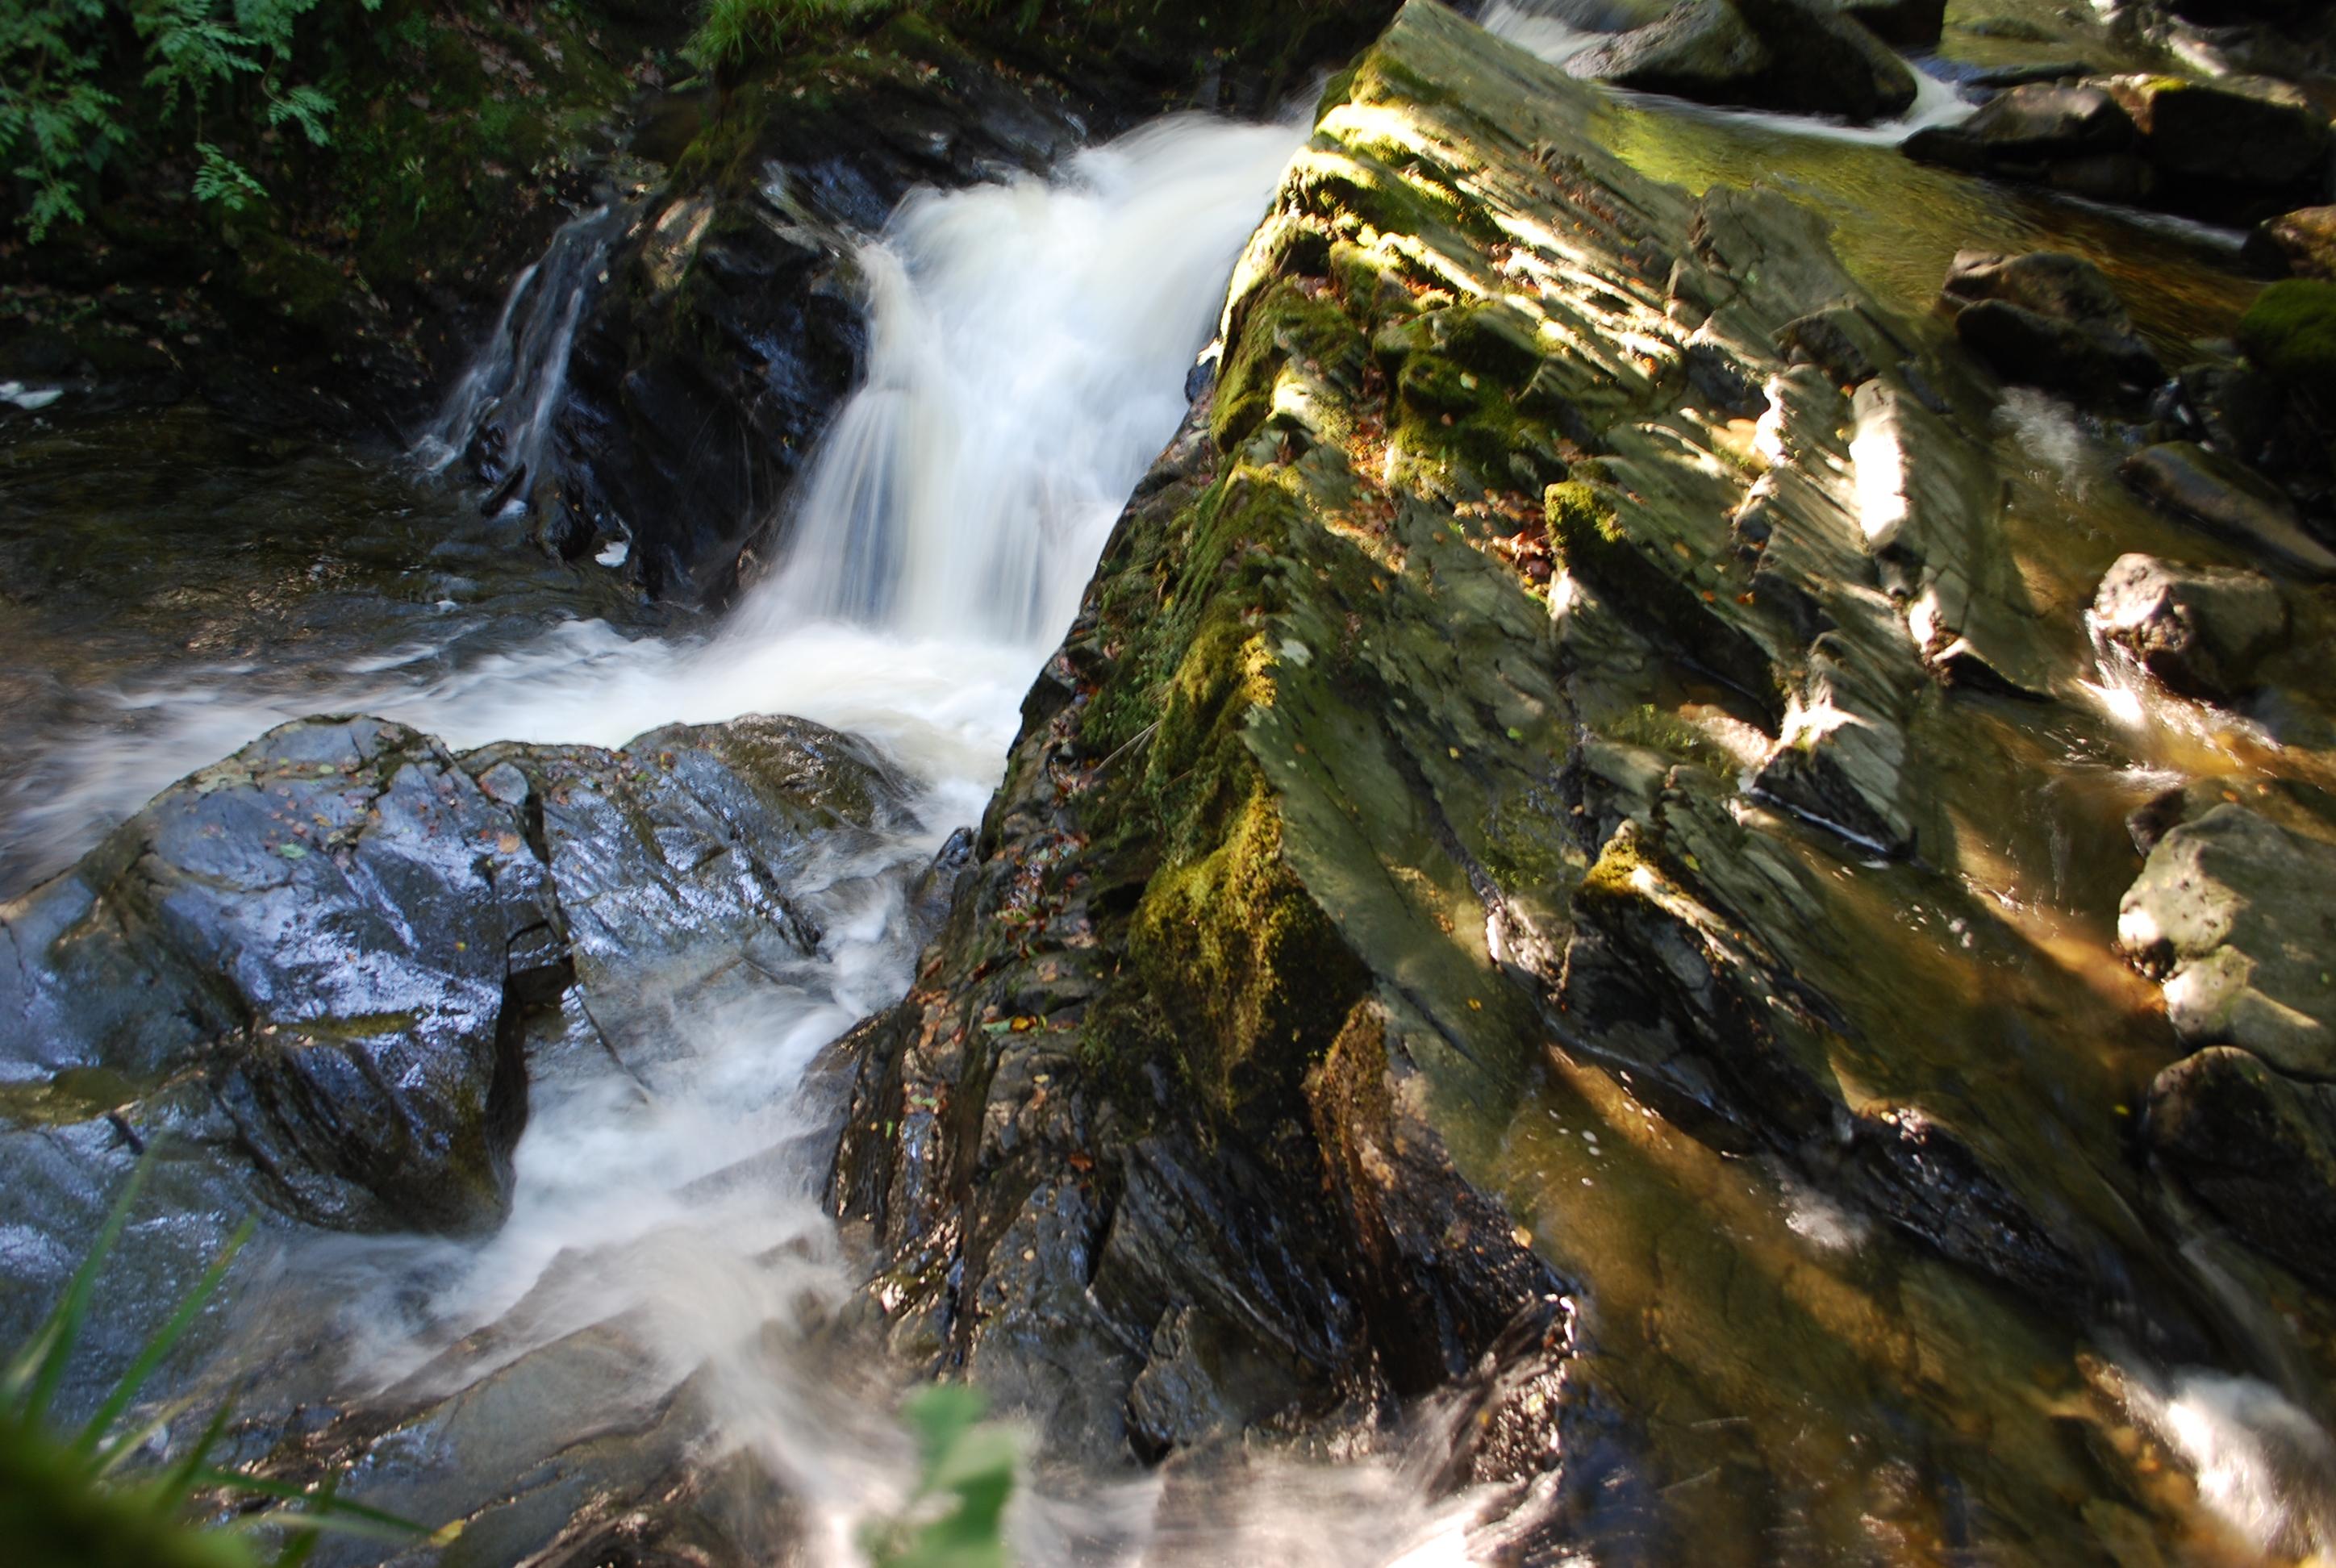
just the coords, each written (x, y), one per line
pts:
(496, 420)
(1032, 345)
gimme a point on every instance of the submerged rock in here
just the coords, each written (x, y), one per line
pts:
(1802, 56)
(2050, 320)
(2259, 1148)
(2237, 916)
(2230, 499)
(2203, 630)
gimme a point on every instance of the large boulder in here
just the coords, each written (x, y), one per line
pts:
(336, 933)
(2237, 917)
(2073, 136)
(2225, 146)
(1801, 57)
(2050, 320)
(1900, 24)
(2234, 149)
(2203, 630)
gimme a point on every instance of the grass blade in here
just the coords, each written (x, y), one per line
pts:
(39, 1368)
(158, 1347)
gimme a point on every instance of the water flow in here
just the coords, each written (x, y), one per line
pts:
(498, 418)
(1033, 341)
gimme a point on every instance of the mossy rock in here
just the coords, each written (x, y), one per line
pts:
(2290, 332)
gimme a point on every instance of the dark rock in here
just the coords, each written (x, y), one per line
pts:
(2235, 410)
(2258, 1148)
(2050, 320)
(2302, 244)
(2237, 917)
(2002, 77)
(1794, 56)
(2201, 629)
(339, 933)
(1900, 24)
(2229, 499)
(2226, 142)
(2030, 126)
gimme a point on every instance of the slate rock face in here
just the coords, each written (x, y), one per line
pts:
(2258, 1147)
(2230, 499)
(337, 932)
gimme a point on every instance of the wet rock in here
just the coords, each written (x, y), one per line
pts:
(2073, 136)
(337, 933)
(675, 857)
(1796, 55)
(2302, 243)
(2259, 1148)
(2236, 411)
(2228, 499)
(2046, 319)
(2203, 630)
(2237, 917)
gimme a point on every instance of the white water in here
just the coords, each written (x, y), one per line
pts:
(1031, 345)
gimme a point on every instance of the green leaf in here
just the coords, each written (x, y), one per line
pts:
(159, 1346)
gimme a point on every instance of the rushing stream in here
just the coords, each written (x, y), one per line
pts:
(1031, 343)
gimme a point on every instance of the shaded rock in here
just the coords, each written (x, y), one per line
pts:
(2236, 409)
(2236, 916)
(2258, 1148)
(337, 932)
(2047, 319)
(2201, 629)
(2002, 77)
(2302, 243)
(2072, 136)
(1795, 55)
(2229, 499)
(1900, 24)
(2229, 144)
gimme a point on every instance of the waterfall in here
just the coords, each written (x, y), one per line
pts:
(1029, 348)
(497, 420)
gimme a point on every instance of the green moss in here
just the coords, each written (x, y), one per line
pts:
(1580, 519)
(1235, 946)
(1280, 324)
(2290, 332)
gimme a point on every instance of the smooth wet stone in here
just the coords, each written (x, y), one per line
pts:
(2301, 244)
(2237, 917)
(2203, 630)
(336, 933)
(2259, 1148)
(1796, 55)
(675, 857)
(2228, 499)
(2050, 320)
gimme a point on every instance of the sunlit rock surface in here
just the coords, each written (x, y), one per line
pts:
(1530, 807)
